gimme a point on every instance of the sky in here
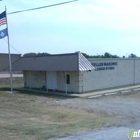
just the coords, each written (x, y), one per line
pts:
(90, 26)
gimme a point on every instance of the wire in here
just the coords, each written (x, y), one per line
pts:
(42, 7)
(12, 46)
(37, 9)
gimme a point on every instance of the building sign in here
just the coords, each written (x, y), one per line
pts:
(104, 66)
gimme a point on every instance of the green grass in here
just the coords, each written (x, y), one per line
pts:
(17, 82)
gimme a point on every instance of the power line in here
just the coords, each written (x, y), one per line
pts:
(13, 47)
(42, 7)
(37, 9)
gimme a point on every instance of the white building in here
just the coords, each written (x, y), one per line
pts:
(54, 72)
(74, 73)
(112, 72)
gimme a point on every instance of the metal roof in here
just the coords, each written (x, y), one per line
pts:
(60, 62)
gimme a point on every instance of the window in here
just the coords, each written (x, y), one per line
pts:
(67, 79)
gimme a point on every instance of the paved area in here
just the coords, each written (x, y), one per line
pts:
(114, 133)
(8, 75)
(104, 134)
(95, 94)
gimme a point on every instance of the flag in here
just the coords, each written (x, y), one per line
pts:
(3, 18)
(3, 33)
(2, 21)
(3, 15)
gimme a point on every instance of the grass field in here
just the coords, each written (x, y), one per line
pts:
(32, 117)
(27, 117)
(5, 82)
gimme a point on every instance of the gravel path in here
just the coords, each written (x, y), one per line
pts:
(124, 107)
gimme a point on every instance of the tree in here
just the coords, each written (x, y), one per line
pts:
(132, 55)
(86, 55)
(106, 55)
(35, 54)
(29, 54)
(43, 54)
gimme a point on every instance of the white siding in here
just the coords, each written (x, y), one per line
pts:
(74, 81)
(126, 72)
(35, 79)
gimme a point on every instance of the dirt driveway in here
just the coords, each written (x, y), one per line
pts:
(125, 108)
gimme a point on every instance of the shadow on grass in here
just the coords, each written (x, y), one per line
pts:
(40, 93)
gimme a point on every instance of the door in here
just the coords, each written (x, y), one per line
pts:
(51, 80)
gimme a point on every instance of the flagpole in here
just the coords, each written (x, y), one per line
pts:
(11, 80)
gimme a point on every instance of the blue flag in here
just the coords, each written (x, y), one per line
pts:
(3, 33)
(3, 15)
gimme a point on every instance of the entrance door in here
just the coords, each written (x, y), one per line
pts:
(51, 80)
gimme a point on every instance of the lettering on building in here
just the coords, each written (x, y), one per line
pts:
(104, 66)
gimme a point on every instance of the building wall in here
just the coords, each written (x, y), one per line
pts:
(74, 81)
(4, 60)
(37, 79)
(137, 71)
(34, 79)
(125, 72)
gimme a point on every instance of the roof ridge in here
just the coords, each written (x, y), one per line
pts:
(84, 63)
(78, 61)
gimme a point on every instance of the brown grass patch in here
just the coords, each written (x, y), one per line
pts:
(27, 117)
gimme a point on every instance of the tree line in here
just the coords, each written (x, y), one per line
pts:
(108, 55)
(35, 54)
(105, 55)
